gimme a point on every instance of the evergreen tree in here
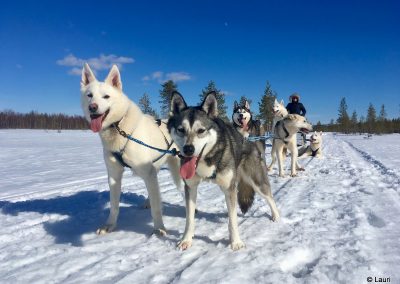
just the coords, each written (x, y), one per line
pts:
(382, 114)
(165, 96)
(354, 121)
(243, 99)
(371, 119)
(145, 105)
(220, 96)
(343, 119)
(265, 106)
(371, 114)
(354, 118)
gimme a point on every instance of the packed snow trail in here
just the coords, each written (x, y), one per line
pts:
(340, 219)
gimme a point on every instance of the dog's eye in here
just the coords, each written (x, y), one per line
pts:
(106, 97)
(90, 95)
(201, 131)
(180, 130)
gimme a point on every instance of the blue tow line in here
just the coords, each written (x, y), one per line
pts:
(258, 138)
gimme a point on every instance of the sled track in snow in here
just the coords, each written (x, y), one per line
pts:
(394, 179)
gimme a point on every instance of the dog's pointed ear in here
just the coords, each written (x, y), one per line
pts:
(87, 75)
(275, 101)
(320, 133)
(282, 103)
(177, 103)
(235, 105)
(210, 105)
(114, 78)
(246, 105)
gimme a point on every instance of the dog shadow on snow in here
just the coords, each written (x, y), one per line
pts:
(85, 211)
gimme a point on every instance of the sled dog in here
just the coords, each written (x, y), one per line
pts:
(213, 150)
(280, 112)
(285, 137)
(244, 123)
(314, 149)
(109, 111)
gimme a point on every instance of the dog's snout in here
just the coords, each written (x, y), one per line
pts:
(188, 150)
(93, 107)
(240, 115)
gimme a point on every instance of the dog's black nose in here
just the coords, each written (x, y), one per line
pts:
(188, 150)
(93, 107)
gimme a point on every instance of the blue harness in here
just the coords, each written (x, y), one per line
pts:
(118, 155)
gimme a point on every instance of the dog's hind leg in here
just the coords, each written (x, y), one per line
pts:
(230, 198)
(273, 156)
(115, 171)
(174, 165)
(190, 200)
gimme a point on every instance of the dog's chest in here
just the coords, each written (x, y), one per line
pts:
(205, 171)
(112, 141)
(243, 132)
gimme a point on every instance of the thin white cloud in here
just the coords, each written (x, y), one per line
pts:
(160, 77)
(103, 62)
(177, 76)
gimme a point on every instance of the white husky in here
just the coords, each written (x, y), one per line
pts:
(285, 137)
(315, 147)
(280, 112)
(109, 111)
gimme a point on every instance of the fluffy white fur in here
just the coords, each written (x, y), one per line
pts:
(315, 146)
(108, 96)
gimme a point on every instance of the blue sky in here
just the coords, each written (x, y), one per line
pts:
(324, 50)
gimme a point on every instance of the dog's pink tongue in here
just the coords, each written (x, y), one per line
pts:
(188, 167)
(95, 123)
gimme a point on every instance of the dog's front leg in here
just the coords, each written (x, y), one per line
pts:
(115, 171)
(294, 164)
(230, 198)
(190, 200)
(279, 153)
(150, 179)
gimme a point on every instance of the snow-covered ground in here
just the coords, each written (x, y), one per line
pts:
(340, 219)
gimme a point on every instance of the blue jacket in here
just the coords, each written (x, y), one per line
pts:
(296, 108)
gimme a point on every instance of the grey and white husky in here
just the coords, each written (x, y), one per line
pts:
(109, 111)
(213, 150)
(247, 126)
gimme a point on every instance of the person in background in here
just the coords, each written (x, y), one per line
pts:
(296, 107)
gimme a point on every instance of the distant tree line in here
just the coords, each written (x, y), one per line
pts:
(35, 120)
(372, 123)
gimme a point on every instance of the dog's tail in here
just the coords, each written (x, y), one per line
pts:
(245, 196)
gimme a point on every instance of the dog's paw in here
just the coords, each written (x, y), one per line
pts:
(275, 217)
(161, 232)
(184, 244)
(237, 245)
(105, 229)
(293, 175)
